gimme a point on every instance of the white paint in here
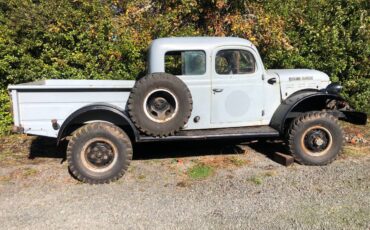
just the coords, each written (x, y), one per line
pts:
(241, 100)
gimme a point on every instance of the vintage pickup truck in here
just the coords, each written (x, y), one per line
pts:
(195, 88)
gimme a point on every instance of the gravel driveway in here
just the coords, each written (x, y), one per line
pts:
(244, 190)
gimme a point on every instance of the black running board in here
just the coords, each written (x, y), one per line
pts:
(220, 133)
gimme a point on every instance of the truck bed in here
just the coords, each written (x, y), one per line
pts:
(36, 104)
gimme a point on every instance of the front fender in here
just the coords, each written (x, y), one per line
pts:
(307, 101)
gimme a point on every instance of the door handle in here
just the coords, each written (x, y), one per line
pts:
(271, 81)
(218, 90)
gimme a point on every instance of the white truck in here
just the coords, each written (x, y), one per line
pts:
(195, 88)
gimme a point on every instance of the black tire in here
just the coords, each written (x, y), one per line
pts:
(315, 138)
(99, 153)
(160, 104)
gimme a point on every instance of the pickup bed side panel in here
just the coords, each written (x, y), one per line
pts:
(38, 107)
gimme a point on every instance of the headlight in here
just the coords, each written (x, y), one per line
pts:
(334, 88)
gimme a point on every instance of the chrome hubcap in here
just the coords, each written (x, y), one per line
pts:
(160, 105)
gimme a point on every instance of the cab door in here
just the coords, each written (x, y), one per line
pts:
(236, 87)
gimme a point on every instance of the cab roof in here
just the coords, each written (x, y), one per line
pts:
(203, 43)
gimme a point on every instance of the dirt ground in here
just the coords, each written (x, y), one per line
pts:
(211, 185)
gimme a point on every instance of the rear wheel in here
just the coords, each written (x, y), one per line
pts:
(99, 153)
(315, 138)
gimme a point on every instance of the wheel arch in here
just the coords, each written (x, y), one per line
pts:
(301, 102)
(95, 113)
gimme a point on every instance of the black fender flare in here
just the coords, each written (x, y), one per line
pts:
(286, 109)
(98, 109)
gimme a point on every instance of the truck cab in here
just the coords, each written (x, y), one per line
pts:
(228, 80)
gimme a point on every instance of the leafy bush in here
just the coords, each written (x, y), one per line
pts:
(332, 36)
(5, 115)
(96, 39)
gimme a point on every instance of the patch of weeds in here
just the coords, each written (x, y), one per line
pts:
(5, 179)
(270, 173)
(318, 189)
(257, 180)
(356, 151)
(229, 176)
(78, 182)
(200, 171)
(141, 177)
(174, 161)
(237, 161)
(29, 172)
(4, 155)
(131, 169)
(223, 161)
(182, 184)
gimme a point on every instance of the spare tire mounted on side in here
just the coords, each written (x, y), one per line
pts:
(160, 104)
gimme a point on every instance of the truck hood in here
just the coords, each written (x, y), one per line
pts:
(293, 80)
(289, 75)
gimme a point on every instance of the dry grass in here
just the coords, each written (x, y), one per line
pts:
(205, 166)
(14, 149)
(357, 150)
(28, 172)
(19, 174)
(224, 161)
(356, 129)
(257, 179)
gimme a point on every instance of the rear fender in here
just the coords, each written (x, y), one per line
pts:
(97, 112)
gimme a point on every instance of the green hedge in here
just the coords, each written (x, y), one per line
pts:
(332, 36)
(96, 39)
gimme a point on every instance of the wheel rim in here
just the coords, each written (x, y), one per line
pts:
(316, 141)
(99, 155)
(160, 105)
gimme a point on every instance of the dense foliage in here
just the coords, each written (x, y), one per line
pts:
(100, 39)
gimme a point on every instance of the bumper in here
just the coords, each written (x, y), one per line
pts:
(357, 118)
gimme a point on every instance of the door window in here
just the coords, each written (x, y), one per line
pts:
(185, 62)
(235, 62)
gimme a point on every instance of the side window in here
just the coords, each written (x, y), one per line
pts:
(185, 62)
(235, 62)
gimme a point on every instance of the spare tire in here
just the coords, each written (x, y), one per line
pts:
(160, 104)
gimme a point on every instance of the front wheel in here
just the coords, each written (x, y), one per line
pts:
(99, 153)
(315, 138)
